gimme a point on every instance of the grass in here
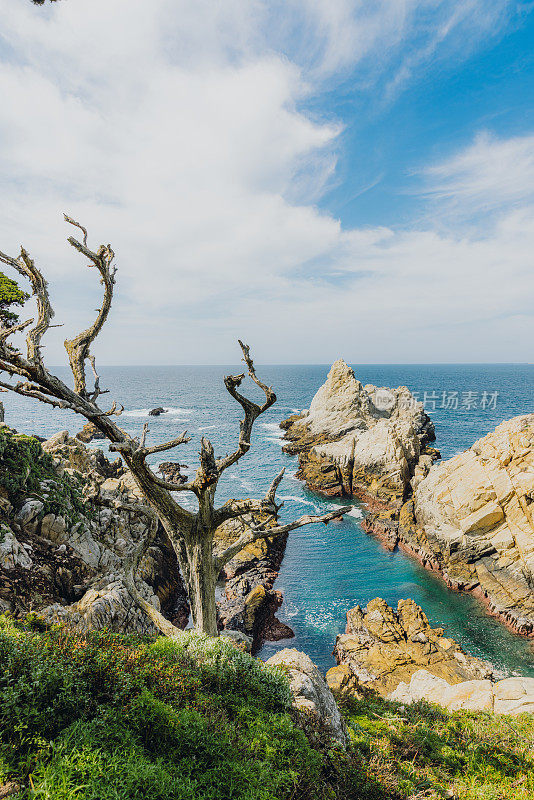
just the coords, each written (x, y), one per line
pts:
(111, 717)
(421, 751)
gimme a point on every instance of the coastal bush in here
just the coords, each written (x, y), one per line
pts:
(423, 751)
(106, 716)
(24, 466)
(111, 717)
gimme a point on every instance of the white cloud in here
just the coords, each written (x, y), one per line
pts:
(489, 175)
(174, 130)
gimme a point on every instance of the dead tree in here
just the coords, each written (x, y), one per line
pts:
(191, 534)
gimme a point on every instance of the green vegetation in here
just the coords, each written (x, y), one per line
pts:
(421, 751)
(24, 466)
(10, 295)
(110, 717)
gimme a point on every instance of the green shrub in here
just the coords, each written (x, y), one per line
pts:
(24, 465)
(107, 716)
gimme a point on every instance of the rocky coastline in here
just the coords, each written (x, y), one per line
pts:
(469, 519)
(65, 529)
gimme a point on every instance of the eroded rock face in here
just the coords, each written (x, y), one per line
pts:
(471, 519)
(310, 691)
(510, 696)
(383, 647)
(364, 441)
(67, 565)
(248, 602)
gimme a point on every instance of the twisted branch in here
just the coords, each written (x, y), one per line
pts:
(252, 410)
(25, 266)
(261, 532)
(78, 349)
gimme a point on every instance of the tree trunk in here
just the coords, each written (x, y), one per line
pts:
(201, 585)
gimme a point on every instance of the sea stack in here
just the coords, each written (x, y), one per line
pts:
(361, 441)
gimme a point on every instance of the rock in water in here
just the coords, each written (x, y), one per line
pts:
(310, 691)
(89, 432)
(155, 412)
(359, 440)
(472, 519)
(383, 647)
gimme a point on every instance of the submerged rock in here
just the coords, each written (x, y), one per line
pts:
(364, 441)
(310, 691)
(383, 647)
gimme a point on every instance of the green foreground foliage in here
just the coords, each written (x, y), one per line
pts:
(110, 717)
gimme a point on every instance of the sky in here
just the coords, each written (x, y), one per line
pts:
(321, 178)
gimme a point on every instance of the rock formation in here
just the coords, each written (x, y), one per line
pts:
(61, 551)
(472, 520)
(510, 696)
(63, 537)
(383, 647)
(310, 692)
(156, 412)
(248, 602)
(363, 441)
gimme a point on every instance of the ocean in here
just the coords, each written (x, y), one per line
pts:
(326, 570)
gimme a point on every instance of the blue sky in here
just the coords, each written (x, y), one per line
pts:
(322, 178)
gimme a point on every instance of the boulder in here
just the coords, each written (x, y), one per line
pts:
(384, 647)
(155, 412)
(310, 691)
(89, 432)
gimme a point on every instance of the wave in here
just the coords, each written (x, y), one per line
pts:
(243, 482)
(206, 427)
(274, 427)
(170, 411)
(356, 512)
(296, 499)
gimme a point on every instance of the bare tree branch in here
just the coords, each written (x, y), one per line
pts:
(160, 448)
(239, 508)
(252, 410)
(24, 266)
(78, 349)
(262, 532)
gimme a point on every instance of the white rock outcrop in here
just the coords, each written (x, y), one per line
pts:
(510, 696)
(475, 515)
(374, 435)
(310, 691)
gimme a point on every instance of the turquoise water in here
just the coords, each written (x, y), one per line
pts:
(326, 570)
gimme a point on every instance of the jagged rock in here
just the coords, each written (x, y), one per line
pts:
(106, 605)
(310, 691)
(155, 412)
(89, 432)
(12, 552)
(28, 515)
(248, 602)
(359, 440)
(170, 471)
(472, 520)
(383, 647)
(76, 556)
(510, 696)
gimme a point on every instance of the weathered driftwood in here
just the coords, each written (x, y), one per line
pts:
(191, 534)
